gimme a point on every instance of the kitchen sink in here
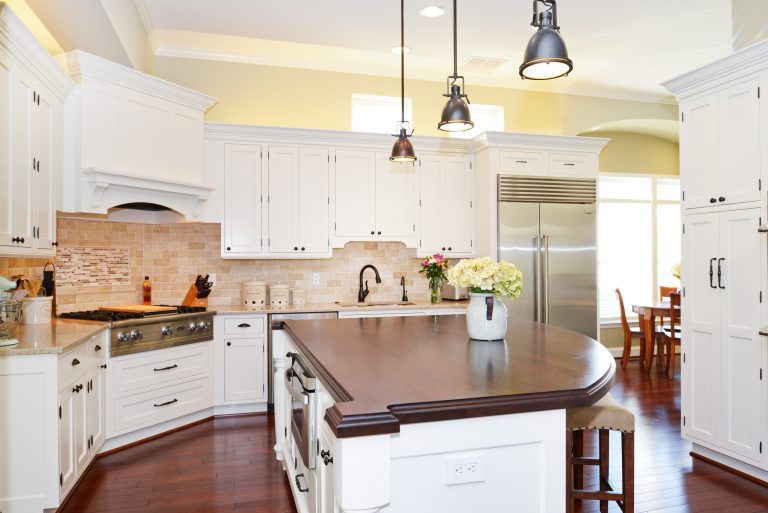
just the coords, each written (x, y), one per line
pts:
(376, 303)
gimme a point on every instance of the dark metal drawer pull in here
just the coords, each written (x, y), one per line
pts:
(75, 361)
(97, 348)
(521, 162)
(298, 483)
(244, 325)
(166, 404)
(568, 164)
(167, 368)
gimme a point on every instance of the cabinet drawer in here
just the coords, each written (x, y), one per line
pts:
(73, 363)
(522, 162)
(245, 325)
(148, 408)
(132, 373)
(563, 164)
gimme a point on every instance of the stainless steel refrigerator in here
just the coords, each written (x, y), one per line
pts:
(547, 229)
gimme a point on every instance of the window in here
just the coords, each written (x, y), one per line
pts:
(638, 238)
(378, 114)
(487, 118)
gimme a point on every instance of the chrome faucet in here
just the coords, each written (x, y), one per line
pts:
(362, 293)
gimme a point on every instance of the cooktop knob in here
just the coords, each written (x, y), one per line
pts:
(202, 325)
(122, 336)
(136, 335)
(166, 330)
(192, 326)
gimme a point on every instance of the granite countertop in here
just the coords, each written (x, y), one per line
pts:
(380, 379)
(335, 307)
(56, 337)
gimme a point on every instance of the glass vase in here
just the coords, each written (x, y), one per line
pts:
(434, 291)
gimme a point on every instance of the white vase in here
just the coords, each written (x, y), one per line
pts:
(486, 317)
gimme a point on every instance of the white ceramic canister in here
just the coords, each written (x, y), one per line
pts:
(278, 295)
(486, 317)
(298, 297)
(36, 310)
(254, 295)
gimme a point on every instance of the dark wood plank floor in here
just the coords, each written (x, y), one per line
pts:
(227, 464)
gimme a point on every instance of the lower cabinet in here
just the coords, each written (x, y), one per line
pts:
(240, 359)
(327, 498)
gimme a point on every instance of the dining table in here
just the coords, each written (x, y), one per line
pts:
(647, 314)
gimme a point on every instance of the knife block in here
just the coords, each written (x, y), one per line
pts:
(191, 298)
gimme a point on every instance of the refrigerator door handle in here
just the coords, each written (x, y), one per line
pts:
(536, 279)
(545, 279)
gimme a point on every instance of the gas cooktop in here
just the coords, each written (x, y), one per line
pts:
(109, 316)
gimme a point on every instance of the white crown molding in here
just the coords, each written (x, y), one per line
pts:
(149, 26)
(85, 66)
(747, 61)
(20, 42)
(180, 52)
(538, 141)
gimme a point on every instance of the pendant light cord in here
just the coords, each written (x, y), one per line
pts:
(402, 61)
(455, 44)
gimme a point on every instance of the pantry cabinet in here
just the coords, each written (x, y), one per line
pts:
(723, 358)
(32, 92)
(446, 203)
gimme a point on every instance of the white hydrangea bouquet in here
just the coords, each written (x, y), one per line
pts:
(489, 282)
(486, 276)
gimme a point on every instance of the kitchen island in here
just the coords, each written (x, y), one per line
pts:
(406, 414)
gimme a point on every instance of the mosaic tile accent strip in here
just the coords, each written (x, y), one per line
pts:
(93, 266)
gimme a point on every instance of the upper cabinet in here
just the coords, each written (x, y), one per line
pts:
(723, 148)
(242, 235)
(375, 198)
(136, 138)
(32, 91)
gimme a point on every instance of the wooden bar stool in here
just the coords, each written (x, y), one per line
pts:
(605, 415)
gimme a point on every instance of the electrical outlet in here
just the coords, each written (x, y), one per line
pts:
(212, 279)
(315, 278)
(465, 469)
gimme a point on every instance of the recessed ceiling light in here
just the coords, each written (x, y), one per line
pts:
(432, 11)
(396, 50)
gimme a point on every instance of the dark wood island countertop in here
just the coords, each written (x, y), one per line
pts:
(383, 372)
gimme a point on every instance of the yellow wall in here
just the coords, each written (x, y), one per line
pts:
(265, 95)
(637, 153)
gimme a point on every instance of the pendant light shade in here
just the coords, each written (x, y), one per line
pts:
(546, 56)
(402, 150)
(456, 116)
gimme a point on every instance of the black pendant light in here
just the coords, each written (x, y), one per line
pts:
(456, 117)
(402, 151)
(546, 56)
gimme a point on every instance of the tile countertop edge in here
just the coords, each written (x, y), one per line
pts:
(333, 307)
(57, 337)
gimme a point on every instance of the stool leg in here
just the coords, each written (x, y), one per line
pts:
(578, 451)
(628, 471)
(603, 443)
(568, 471)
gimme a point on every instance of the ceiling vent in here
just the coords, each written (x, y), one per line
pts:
(483, 64)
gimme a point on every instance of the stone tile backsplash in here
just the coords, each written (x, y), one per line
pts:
(173, 255)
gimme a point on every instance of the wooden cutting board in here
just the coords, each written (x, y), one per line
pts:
(144, 309)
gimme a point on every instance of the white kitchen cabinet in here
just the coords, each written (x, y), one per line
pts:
(720, 162)
(446, 205)
(325, 460)
(240, 362)
(723, 391)
(243, 182)
(375, 198)
(67, 437)
(298, 201)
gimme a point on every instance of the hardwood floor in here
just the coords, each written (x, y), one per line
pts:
(227, 464)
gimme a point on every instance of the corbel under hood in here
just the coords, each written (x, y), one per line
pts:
(131, 138)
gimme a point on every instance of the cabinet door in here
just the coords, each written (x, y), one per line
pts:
(431, 204)
(82, 448)
(739, 143)
(283, 199)
(355, 193)
(327, 499)
(739, 277)
(242, 200)
(313, 200)
(43, 202)
(457, 218)
(244, 369)
(699, 155)
(67, 465)
(6, 183)
(97, 415)
(700, 323)
(21, 160)
(395, 192)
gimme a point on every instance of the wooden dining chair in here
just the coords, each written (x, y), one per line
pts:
(629, 334)
(670, 336)
(664, 292)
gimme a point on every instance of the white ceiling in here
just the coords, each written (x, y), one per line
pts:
(621, 48)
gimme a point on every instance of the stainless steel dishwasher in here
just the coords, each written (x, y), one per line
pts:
(287, 316)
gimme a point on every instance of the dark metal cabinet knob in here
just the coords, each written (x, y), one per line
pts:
(450, 248)
(372, 233)
(55, 243)
(104, 366)
(712, 200)
(443, 248)
(229, 344)
(326, 455)
(229, 249)
(295, 248)
(75, 361)
(378, 233)
(303, 248)
(97, 348)
(721, 198)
